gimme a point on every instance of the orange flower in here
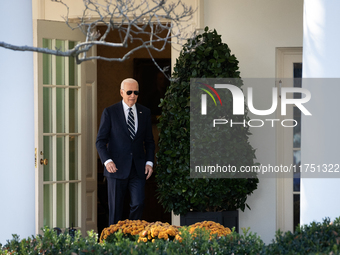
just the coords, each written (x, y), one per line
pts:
(154, 232)
(215, 228)
(144, 239)
(144, 233)
(150, 231)
(163, 235)
(171, 232)
(178, 238)
(134, 232)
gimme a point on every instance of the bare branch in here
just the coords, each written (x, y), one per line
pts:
(69, 53)
(157, 20)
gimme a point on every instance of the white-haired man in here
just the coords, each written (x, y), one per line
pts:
(126, 147)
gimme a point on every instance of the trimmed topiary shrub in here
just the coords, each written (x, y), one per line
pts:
(203, 57)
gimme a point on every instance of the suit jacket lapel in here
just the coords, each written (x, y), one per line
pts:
(140, 118)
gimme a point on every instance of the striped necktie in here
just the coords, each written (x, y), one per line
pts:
(131, 124)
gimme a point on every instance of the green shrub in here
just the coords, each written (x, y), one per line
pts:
(197, 243)
(315, 238)
(52, 243)
(203, 57)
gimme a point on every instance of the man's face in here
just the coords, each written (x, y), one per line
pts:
(131, 99)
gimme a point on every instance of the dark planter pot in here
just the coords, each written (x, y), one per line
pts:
(227, 218)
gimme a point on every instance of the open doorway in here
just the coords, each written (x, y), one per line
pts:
(152, 87)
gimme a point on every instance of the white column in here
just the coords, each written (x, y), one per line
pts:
(16, 123)
(321, 139)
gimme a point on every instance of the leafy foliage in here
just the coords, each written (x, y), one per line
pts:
(315, 238)
(203, 57)
(52, 243)
(198, 242)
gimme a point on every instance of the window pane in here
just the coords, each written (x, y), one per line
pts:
(47, 110)
(297, 163)
(73, 112)
(48, 205)
(60, 64)
(297, 78)
(297, 145)
(72, 66)
(47, 63)
(73, 157)
(89, 136)
(60, 158)
(61, 205)
(73, 205)
(60, 110)
(48, 152)
(297, 128)
(297, 73)
(296, 210)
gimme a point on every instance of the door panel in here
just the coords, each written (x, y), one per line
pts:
(91, 130)
(61, 136)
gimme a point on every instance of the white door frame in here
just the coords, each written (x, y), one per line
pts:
(284, 200)
(87, 202)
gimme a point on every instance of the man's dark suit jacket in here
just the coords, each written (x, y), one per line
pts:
(114, 142)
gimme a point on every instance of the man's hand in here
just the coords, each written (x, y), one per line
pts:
(111, 167)
(148, 171)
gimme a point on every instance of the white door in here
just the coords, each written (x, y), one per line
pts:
(65, 128)
(289, 65)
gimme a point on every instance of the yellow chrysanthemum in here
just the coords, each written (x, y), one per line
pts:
(134, 232)
(143, 234)
(163, 235)
(171, 232)
(215, 228)
(154, 232)
(178, 238)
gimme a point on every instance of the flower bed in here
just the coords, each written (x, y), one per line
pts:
(143, 231)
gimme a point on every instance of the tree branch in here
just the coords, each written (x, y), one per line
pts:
(160, 21)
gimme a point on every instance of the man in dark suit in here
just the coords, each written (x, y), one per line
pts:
(126, 147)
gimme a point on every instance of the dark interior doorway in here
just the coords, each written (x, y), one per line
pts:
(153, 85)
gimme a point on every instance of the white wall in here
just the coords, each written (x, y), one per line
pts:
(321, 138)
(46, 9)
(253, 29)
(16, 129)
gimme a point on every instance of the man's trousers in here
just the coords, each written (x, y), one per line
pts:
(117, 189)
